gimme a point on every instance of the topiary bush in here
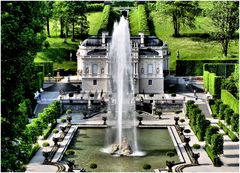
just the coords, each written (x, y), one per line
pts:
(196, 146)
(69, 152)
(55, 131)
(68, 111)
(45, 144)
(93, 165)
(63, 120)
(146, 166)
(170, 153)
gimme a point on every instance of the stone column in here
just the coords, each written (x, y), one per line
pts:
(106, 68)
(83, 68)
(137, 69)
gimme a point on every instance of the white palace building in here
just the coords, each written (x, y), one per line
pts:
(150, 60)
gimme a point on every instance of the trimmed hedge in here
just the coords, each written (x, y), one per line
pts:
(95, 7)
(48, 131)
(228, 132)
(211, 83)
(195, 67)
(49, 115)
(214, 84)
(142, 20)
(216, 160)
(40, 80)
(45, 67)
(230, 100)
(105, 18)
(197, 120)
(206, 80)
(220, 69)
(33, 151)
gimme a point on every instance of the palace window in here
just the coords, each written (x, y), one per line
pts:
(94, 82)
(150, 69)
(149, 82)
(94, 69)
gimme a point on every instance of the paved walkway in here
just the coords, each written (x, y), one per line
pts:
(230, 157)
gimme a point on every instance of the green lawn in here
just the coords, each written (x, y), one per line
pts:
(191, 45)
(59, 53)
(94, 20)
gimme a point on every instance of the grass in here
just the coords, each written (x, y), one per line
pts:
(190, 46)
(94, 20)
(59, 53)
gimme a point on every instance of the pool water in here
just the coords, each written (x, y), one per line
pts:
(88, 143)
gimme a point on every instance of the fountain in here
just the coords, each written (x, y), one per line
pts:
(123, 137)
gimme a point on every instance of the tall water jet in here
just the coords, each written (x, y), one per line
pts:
(122, 137)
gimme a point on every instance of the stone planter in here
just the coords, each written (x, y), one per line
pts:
(46, 155)
(55, 140)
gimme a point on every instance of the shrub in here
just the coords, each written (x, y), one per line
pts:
(47, 132)
(228, 112)
(63, 120)
(93, 165)
(173, 94)
(217, 144)
(230, 100)
(33, 151)
(228, 132)
(55, 131)
(221, 111)
(69, 152)
(232, 136)
(195, 67)
(45, 144)
(235, 122)
(40, 80)
(95, 7)
(146, 166)
(210, 131)
(216, 161)
(170, 154)
(206, 80)
(196, 146)
(68, 111)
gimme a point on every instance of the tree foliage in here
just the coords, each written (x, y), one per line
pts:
(22, 36)
(217, 144)
(181, 12)
(225, 17)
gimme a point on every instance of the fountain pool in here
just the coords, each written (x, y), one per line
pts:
(88, 143)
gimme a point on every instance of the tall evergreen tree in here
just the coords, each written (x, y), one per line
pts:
(22, 36)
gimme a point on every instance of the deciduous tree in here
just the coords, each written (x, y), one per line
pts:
(181, 12)
(225, 17)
